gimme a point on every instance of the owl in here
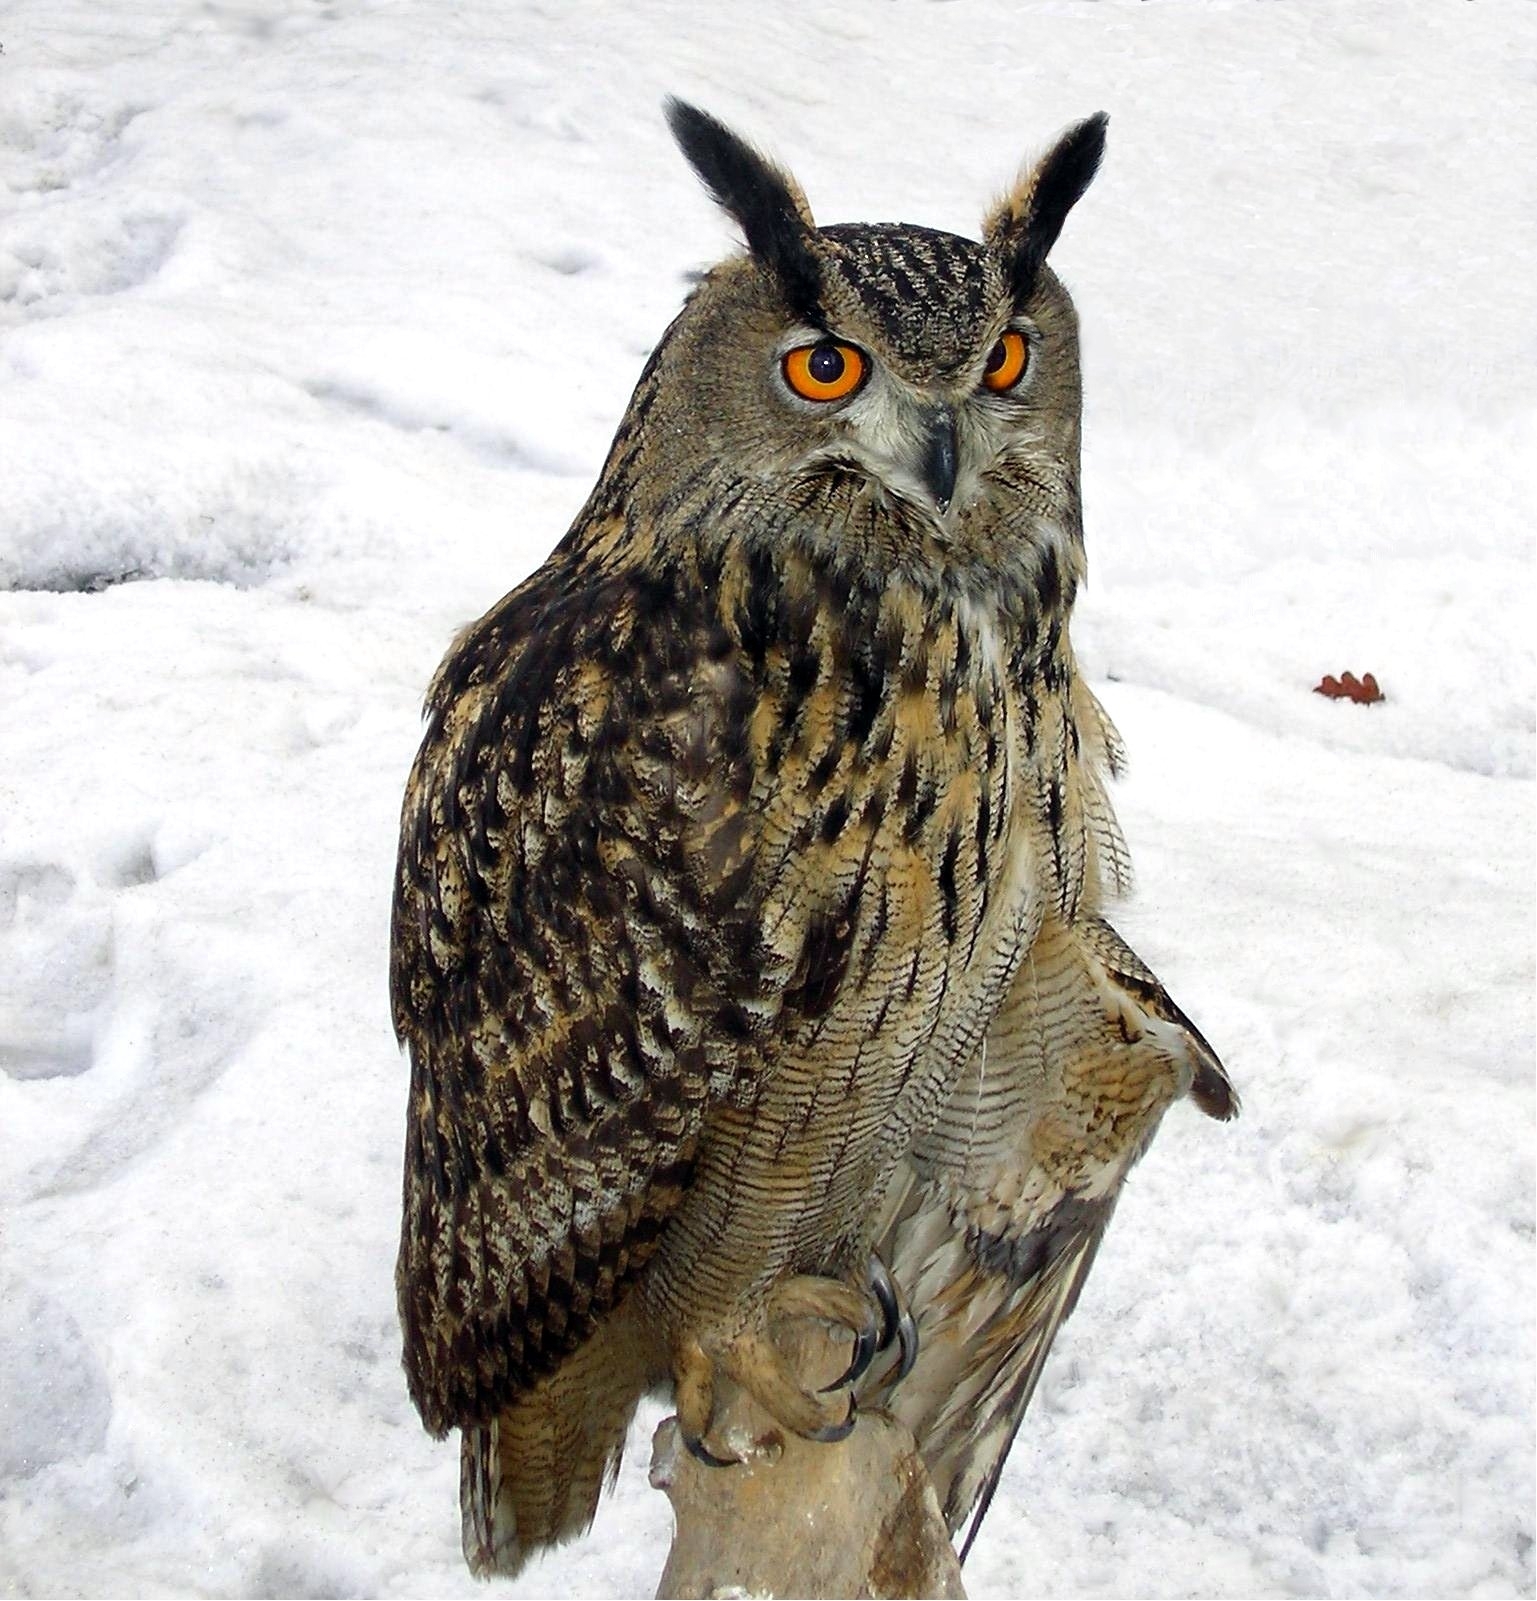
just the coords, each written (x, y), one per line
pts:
(749, 939)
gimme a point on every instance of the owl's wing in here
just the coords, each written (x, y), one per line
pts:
(571, 969)
(995, 1218)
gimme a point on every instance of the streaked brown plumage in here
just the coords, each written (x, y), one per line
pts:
(748, 909)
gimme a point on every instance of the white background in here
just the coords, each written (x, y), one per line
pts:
(315, 320)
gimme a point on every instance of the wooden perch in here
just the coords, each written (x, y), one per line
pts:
(797, 1518)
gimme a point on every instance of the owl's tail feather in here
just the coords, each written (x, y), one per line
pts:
(532, 1476)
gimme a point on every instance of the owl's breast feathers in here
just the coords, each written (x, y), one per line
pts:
(671, 825)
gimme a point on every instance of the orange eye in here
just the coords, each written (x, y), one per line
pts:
(1006, 362)
(826, 371)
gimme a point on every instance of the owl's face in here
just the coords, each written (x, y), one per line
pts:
(928, 375)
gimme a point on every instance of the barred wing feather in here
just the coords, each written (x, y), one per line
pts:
(996, 1216)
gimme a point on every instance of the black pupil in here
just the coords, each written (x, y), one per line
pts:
(997, 358)
(826, 364)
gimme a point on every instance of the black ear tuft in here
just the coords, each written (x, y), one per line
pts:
(765, 202)
(1025, 225)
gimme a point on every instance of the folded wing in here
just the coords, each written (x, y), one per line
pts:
(995, 1217)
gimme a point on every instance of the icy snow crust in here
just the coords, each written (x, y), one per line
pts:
(317, 320)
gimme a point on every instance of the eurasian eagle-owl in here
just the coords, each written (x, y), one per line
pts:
(748, 937)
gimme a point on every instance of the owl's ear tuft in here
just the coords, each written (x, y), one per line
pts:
(1024, 225)
(767, 203)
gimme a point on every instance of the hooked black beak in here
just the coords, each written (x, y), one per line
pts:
(937, 468)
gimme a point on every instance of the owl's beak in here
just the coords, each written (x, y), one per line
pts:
(937, 467)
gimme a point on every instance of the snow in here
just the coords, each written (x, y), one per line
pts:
(315, 320)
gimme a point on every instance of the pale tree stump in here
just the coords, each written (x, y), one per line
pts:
(798, 1518)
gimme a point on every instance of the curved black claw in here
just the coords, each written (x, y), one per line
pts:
(698, 1450)
(898, 1326)
(837, 1431)
(866, 1344)
(885, 1293)
(907, 1347)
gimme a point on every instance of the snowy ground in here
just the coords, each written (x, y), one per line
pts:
(314, 323)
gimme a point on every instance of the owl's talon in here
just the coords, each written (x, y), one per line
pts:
(907, 1347)
(702, 1453)
(755, 1361)
(898, 1328)
(885, 1293)
(834, 1432)
(694, 1402)
(867, 1342)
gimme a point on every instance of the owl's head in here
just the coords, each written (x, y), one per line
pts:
(931, 376)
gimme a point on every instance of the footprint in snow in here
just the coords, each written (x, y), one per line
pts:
(112, 988)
